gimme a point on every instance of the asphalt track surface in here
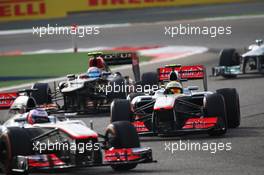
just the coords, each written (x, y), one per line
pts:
(246, 155)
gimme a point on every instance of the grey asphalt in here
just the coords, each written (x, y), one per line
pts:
(246, 155)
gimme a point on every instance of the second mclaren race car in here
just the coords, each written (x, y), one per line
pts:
(176, 109)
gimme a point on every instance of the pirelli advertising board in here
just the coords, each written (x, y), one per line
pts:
(44, 9)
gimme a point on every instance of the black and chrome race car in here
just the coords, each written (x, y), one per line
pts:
(176, 109)
(231, 63)
(94, 90)
(33, 141)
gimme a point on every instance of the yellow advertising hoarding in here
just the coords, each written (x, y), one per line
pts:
(44, 9)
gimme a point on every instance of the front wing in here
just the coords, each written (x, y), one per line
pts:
(191, 125)
(37, 163)
(226, 70)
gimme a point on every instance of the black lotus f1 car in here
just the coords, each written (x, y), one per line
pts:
(191, 111)
(94, 90)
(232, 64)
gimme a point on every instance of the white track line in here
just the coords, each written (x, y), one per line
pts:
(28, 31)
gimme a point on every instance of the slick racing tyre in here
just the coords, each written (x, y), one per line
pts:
(117, 88)
(229, 57)
(16, 141)
(43, 93)
(215, 107)
(120, 110)
(149, 79)
(122, 135)
(231, 98)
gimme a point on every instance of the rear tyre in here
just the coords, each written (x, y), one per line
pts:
(16, 141)
(122, 135)
(117, 91)
(149, 79)
(215, 107)
(229, 57)
(120, 110)
(43, 94)
(231, 98)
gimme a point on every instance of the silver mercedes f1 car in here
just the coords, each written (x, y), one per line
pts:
(231, 63)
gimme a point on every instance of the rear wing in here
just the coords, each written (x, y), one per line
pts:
(7, 99)
(121, 59)
(194, 72)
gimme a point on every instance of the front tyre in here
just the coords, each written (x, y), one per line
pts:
(215, 107)
(232, 106)
(14, 142)
(229, 57)
(122, 134)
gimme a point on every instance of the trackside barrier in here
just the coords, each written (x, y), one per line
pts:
(11, 10)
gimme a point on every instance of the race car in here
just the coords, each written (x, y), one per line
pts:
(94, 90)
(34, 141)
(231, 63)
(175, 109)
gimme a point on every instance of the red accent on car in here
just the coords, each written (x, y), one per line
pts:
(185, 72)
(7, 99)
(48, 160)
(83, 76)
(97, 62)
(74, 136)
(163, 108)
(200, 123)
(140, 126)
(118, 155)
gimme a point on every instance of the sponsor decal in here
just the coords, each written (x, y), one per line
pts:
(22, 8)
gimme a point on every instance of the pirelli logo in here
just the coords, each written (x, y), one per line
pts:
(20, 8)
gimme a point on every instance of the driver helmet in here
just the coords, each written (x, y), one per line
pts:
(94, 72)
(97, 62)
(174, 87)
(37, 116)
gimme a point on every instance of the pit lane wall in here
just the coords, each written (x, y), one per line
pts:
(11, 10)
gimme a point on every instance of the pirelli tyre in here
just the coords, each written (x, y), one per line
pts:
(122, 134)
(229, 57)
(43, 93)
(116, 88)
(149, 79)
(120, 110)
(232, 104)
(15, 141)
(215, 107)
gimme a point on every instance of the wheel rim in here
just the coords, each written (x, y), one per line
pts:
(110, 137)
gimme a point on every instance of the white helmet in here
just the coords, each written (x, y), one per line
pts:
(37, 116)
(174, 87)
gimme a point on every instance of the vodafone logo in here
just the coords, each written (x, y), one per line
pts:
(18, 8)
